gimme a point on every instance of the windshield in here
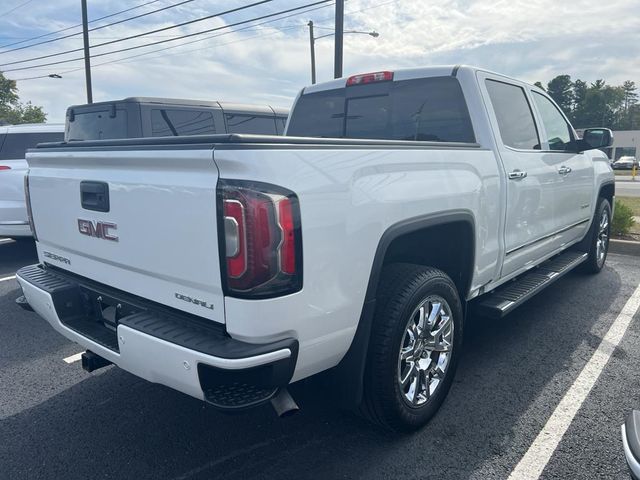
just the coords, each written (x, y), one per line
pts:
(427, 109)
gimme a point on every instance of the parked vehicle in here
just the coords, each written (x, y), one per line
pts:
(631, 443)
(228, 266)
(624, 163)
(136, 117)
(14, 142)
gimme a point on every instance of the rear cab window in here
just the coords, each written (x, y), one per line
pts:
(424, 109)
(97, 124)
(15, 145)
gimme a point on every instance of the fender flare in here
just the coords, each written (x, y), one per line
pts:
(348, 375)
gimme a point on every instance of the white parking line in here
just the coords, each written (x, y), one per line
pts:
(73, 358)
(542, 448)
(7, 278)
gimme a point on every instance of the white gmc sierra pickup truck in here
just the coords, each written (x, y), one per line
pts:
(229, 266)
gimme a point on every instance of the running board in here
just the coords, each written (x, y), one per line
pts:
(508, 297)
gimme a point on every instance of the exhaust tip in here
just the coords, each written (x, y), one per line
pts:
(284, 404)
(92, 362)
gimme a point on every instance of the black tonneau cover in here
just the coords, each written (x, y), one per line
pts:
(229, 140)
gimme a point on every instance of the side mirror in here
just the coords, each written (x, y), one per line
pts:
(593, 138)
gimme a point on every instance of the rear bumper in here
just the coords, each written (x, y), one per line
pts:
(15, 229)
(631, 443)
(189, 354)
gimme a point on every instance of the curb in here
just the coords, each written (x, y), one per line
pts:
(624, 247)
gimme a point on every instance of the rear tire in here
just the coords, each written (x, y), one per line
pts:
(414, 348)
(598, 245)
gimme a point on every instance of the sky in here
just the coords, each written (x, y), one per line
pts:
(269, 63)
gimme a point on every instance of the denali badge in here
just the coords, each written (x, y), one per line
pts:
(97, 229)
(195, 301)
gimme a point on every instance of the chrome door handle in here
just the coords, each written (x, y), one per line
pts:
(517, 175)
(564, 170)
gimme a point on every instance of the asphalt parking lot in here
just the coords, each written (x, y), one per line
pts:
(56, 421)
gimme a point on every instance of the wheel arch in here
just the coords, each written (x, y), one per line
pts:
(398, 244)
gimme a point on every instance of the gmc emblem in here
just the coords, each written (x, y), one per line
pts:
(97, 229)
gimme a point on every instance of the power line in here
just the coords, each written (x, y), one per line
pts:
(129, 58)
(16, 8)
(131, 37)
(78, 25)
(172, 39)
(128, 19)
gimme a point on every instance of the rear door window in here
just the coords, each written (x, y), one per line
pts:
(513, 113)
(257, 124)
(16, 144)
(171, 122)
(425, 109)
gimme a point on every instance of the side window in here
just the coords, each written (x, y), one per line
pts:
(166, 123)
(557, 128)
(16, 144)
(515, 119)
(239, 123)
(281, 122)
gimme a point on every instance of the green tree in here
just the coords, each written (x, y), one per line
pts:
(12, 111)
(561, 90)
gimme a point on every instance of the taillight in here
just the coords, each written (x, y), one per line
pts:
(369, 78)
(5, 167)
(261, 240)
(27, 198)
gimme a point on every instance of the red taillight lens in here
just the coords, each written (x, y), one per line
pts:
(261, 248)
(5, 167)
(369, 78)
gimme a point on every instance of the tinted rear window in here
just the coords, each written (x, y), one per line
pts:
(165, 123)
(241, 123)
(428, 109)
(15, 145)
(98, 125)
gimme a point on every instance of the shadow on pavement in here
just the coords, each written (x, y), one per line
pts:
(16, 254)
(114, 425)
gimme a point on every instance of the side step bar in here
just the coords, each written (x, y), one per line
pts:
(506, 298)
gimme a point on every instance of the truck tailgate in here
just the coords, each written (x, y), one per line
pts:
(156, 200)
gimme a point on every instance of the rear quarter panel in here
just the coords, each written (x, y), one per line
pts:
(348, 198)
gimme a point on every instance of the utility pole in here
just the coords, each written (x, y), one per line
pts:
(87, 59)
(337, 67)
(312, 42)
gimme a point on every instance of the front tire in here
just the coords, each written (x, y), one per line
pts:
(599, 238)
(414, 348)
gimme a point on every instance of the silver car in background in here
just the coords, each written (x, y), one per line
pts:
(15, 140)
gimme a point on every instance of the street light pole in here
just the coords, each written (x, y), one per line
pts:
(87, 59)
(312, 43)
(337, 66)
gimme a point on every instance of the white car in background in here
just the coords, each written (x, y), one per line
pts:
(15, 140)
(624, 163)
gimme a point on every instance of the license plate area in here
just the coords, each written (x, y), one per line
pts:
(98, 317)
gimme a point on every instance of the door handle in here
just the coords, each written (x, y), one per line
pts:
(564, 170)
(517, 175)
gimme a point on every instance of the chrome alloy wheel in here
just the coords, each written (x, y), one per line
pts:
(602, 242)
(425, 351)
